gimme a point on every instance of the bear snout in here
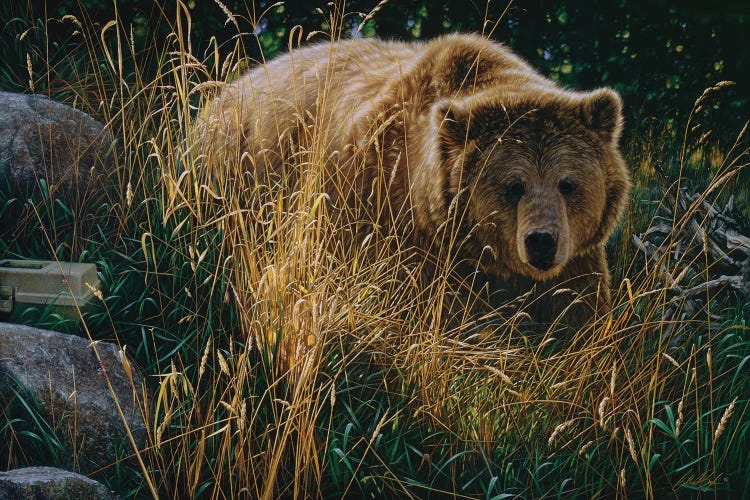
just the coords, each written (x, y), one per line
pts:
(541, 248)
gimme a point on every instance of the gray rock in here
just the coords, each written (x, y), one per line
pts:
(48, 483)
(41, 138)
(63, 374)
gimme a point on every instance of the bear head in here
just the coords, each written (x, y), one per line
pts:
(537, 174)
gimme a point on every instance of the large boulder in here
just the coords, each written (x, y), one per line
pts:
(63, 374)
(44, 139)
(48, 483)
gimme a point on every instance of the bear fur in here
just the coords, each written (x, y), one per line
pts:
(458, 138)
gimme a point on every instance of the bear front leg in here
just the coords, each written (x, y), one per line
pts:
(588, 276)
(580, 292)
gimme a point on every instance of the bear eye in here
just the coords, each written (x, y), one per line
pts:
(515, 191)
(567, 187)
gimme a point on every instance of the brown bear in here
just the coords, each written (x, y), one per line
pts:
(458, 138)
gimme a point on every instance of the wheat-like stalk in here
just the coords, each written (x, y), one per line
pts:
(724, 420)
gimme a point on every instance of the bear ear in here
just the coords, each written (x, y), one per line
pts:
(453, 122)
(601, 111)
(455, 126)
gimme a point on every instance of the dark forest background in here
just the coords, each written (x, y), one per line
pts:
(659, 54)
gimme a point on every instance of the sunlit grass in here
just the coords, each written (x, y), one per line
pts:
(293, 351)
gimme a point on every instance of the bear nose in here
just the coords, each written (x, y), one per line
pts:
(541, 247)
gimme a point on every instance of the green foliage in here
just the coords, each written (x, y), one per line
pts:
(26, 437)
